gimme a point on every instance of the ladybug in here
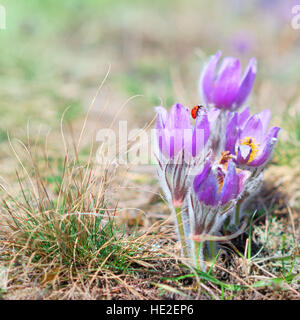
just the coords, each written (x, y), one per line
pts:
(195, 111)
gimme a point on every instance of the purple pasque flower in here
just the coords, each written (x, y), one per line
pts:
(219, 186)
(180, 146)
(176, 135)
(249, 140)
(216, 189)
(226, 89)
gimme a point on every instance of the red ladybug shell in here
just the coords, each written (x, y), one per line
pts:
(195, 111)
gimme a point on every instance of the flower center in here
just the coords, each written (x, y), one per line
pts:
(251, 142)
(225, 157)
(223, 162)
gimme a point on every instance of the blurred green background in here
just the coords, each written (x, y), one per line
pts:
(54, 54)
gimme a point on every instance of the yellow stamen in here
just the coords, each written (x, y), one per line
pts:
(251, 142)
(225, 157)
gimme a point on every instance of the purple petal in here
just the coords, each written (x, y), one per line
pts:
(243, 177)
(253, 129)
(246, 83)
(201, 176)
(179, 129)
(205, 186)
(265, 117)
(162, 115)
(200, 135)
(243, 117)
(266, 148)
(161, 119)
(187, 140)
(208, 191)
(272, 133)
(227, 83)
(170, 142)
(174, 130)
(243, 154)
(206, 83)
(231, 184)
(179, 117)
(232, 134)
(166, 139)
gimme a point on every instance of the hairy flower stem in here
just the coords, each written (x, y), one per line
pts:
(197, 248)
(178, 214)
(212, 249)
(237, 215)
(237, 212)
